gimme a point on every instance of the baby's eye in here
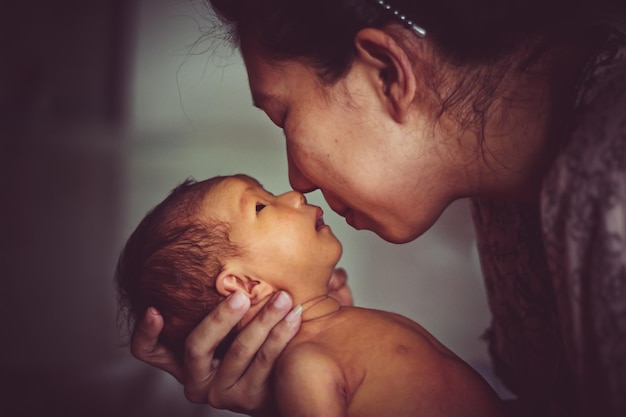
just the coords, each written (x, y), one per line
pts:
(259, 207)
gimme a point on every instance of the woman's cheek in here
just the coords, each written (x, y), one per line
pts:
(306, 160)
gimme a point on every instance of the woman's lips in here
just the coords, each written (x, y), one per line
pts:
(345, 212)
(342, 211)
(349, 215)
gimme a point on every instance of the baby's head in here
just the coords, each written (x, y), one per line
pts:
(209, 239)
(171, 261)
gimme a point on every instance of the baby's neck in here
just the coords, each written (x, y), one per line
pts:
(319, 307)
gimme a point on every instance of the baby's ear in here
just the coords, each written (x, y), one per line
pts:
(261, 291)
(228, 282)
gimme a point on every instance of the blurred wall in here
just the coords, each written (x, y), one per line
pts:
(120, 111)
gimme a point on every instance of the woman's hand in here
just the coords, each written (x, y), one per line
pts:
(144, 345)
(241, 381)
(338, 287)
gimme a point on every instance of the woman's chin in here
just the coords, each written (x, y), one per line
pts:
(398, 235)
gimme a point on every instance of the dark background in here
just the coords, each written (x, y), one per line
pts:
(102, 111)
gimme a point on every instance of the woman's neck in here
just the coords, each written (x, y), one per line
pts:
(529, 125)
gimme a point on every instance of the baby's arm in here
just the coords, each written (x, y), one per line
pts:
(309, 383)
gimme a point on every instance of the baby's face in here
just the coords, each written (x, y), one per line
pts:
(282, 236)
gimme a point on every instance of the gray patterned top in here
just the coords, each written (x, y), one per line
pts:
(555, 273)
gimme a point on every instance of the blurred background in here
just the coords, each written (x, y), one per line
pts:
(105, 106)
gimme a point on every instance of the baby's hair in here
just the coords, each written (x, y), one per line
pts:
(170, 262)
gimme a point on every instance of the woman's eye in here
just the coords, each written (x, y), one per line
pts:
(259, 207)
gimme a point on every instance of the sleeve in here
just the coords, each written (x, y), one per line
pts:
(584, 222)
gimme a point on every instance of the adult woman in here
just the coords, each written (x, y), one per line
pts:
(396, 108)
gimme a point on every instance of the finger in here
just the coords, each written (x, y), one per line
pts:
(258, 373)
(145, 344)
(338, 287)
(204, 339)
(246, 345)
(338, 279)
(343, 295)
(146, 333)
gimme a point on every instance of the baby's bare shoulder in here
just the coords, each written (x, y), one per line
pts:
(300, 356)
(307, 378)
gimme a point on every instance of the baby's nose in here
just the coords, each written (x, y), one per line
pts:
(294, 198)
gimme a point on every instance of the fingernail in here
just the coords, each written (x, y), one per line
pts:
(282, 300)
(294, 314)
(153, 311)
(237, 300)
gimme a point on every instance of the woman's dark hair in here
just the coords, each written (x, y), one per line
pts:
(170, 262)
(463, 30)
(321, 32)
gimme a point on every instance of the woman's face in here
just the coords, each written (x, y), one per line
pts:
(341, 139)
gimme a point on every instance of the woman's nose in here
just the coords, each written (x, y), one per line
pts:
(297, 180)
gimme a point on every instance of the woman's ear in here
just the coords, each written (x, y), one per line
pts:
(390, 68)
(228, 282)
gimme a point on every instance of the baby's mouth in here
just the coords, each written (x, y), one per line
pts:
(319, 218)
(319, 223)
